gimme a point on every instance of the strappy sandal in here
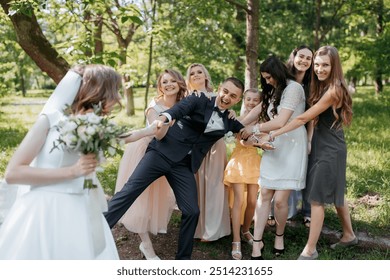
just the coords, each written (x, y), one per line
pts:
(261, 251)
(245, 238)
(236, 251)
(278, 252)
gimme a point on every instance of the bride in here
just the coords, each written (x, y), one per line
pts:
(57, 218)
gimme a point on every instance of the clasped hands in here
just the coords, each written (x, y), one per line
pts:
(261, 140)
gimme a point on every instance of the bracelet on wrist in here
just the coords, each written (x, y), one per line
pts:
(255, 130)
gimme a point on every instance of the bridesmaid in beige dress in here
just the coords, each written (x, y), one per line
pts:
(214, 219)
(152, 210)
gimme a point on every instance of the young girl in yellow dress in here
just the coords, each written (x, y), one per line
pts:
(241, 176)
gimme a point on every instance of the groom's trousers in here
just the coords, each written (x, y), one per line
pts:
(182, 181)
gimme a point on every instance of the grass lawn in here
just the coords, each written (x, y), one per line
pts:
(368, 172)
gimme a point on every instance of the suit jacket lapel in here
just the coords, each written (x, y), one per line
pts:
(209, 110)
(225, 119)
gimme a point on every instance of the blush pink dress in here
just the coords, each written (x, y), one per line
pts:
(214, 218)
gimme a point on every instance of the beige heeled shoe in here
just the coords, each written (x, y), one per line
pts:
(247, 237)
(145, 254)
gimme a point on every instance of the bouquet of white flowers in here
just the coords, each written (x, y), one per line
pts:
(90, 133)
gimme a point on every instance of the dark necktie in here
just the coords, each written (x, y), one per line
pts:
(216, 109)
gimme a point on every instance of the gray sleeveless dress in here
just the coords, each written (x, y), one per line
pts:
(326, 181)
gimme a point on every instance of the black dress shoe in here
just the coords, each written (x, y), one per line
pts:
(257, 258)
(277, 252)
(261, 251)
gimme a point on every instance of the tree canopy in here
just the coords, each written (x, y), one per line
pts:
(44, 38)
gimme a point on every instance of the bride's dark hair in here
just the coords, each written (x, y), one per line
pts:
(100, 84)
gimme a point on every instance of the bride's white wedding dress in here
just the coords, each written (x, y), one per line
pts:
(57, 221)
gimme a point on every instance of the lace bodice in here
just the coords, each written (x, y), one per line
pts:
(293, 98)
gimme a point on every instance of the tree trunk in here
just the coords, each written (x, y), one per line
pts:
(129, 95)
(30, 37)
(150, 57)
(22, 83)
(98, 35)
(317, 26)
(252, 43)
(379, 33)
(127, 90)
(123, 44)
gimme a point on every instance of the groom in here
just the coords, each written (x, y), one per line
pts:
(177, 154)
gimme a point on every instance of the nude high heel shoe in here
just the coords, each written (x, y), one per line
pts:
(145, 254)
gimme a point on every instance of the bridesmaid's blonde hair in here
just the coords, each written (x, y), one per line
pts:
(209, 84)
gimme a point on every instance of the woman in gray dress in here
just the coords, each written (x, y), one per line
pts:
(331, 109)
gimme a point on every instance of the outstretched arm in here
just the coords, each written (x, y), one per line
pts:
(279, 121)
(252, 116)
(151, 130)
(324, 103)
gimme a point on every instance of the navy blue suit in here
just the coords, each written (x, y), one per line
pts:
(177, 156)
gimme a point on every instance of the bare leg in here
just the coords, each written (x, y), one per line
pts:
(238, 190)
(281, 213)
(317, 221)
(253, 190)
(261, 215)
(345, 218)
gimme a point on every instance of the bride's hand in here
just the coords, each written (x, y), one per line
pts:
(84, 166)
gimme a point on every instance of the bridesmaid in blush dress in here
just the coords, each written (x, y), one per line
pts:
(152, 210)
(214, 220)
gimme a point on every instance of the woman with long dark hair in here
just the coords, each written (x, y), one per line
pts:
(282, 169)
